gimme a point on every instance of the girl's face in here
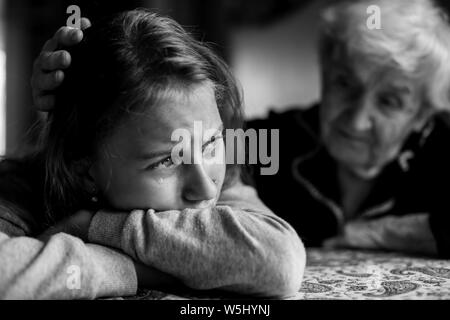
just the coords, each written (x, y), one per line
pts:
(134, 169)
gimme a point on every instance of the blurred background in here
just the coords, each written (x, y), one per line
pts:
(269, 44)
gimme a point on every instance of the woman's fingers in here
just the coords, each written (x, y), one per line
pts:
(85, 23)
(51, 61)
(333, 243)
(47, 68)
(64, 37)
(42, 84)
(44, 81)
(45, 102)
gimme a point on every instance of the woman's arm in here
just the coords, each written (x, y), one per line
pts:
(239, 245)
(409, 233)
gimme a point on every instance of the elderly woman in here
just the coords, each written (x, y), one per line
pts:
(367, 167)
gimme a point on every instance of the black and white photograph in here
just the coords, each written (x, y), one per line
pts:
(235, 156)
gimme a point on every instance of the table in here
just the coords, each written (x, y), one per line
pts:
(364, 275)
(357, 275)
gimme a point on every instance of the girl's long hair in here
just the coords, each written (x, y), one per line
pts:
(121, 67)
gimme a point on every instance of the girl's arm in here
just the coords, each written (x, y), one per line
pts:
(77, 225)
(239, 245)
(62, 268)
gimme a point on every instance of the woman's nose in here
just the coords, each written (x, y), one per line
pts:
(361, 118)
(199, 186)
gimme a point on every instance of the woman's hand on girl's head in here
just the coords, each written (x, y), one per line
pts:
(76, 225)
(47, 68)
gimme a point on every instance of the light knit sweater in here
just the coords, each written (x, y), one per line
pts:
(238, 246)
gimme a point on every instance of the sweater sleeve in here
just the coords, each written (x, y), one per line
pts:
(12, 222)
(410, 233)
(63, 267)
(239, 245)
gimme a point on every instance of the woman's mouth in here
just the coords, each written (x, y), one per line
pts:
(353, 137)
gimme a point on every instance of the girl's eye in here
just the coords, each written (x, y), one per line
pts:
(210, 146)
(165, 163)
(207, 149)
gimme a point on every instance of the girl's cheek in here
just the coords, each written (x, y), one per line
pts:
(157, 193)
(221, 160)
(218, 174)
(215, 157)
(220, 153)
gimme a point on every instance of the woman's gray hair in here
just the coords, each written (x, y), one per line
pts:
(414, 37)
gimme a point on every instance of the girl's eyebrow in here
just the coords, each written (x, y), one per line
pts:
(156, 154)
(165, 153)
(220, 129)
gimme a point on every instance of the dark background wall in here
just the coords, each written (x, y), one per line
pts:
(270, 44)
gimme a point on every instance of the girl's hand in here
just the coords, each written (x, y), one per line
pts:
(149, 277)
(76, 225)
(47, 68)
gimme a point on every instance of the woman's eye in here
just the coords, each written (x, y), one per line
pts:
(165, 163)
(390, 102)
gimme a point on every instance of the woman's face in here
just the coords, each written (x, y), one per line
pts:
(367, 113)
(134, 169)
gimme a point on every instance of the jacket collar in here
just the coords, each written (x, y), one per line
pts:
(316, 170)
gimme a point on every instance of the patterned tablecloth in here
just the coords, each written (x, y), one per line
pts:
(358, 275)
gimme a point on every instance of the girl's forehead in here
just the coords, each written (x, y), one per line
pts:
(179, 110)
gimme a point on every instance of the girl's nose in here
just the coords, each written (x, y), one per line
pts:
(199, 186)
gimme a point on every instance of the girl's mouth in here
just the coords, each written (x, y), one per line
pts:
(201, 204)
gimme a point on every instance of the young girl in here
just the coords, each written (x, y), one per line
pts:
(104, 173)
